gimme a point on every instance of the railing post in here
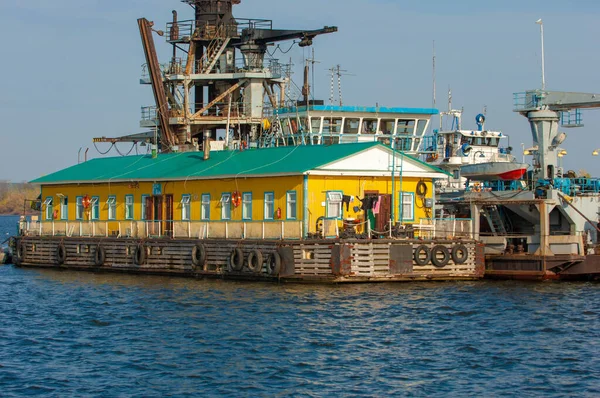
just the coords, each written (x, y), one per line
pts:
(263, 229)
(226, 230)
(53, 229)
(106, 228)
(244, 231)
(189, 229)
(282, 230)
(80, 229)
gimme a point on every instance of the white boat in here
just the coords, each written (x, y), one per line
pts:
(474, 154)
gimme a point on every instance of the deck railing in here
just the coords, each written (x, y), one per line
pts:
(172, 229)
(444, 228)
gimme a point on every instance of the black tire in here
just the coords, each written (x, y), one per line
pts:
(255, 261)
(19, 253)
(274, 264)
(61, 254)
(417, 257)
(139, 255)
(421, 188)
(460, 254)
(443, 250)
(99, 256)
(237, 259)
(198, 255)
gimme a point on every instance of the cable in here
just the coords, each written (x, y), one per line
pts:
(103, 153)
(119, 152)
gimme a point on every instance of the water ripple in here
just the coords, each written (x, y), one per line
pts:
(82, 334)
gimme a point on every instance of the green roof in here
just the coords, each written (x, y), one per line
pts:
(289, 160)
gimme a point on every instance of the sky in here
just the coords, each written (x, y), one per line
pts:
(70, 68)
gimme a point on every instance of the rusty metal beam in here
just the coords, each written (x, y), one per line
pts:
(270, 94)
(157, 82)
(218, 98)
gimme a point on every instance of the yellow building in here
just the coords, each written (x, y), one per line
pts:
(261, 193)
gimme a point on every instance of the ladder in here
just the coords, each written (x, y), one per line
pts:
(494, 218)
(214, 50)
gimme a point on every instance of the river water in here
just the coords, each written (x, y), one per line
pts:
(65, 333)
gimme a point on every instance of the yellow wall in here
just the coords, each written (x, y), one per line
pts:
(258, 186)
(356, 186)
(317, 188)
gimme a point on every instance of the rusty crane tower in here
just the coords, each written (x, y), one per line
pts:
(217, 78)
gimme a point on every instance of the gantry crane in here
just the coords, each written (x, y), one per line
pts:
(217, 78)
(545, 110)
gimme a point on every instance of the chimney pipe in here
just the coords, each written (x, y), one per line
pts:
(206, 144)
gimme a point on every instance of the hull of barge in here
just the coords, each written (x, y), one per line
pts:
(299, 261)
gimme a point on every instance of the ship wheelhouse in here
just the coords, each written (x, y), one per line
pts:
(401, 128)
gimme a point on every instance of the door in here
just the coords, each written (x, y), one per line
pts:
(385, 208)
(168, 215)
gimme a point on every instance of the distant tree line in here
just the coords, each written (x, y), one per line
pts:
(13, 196)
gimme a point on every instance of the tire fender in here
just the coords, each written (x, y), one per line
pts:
(274, 264)
(236, 259)
(255, 261)
(198, 255)
(417, 256)
(61, 253)
(443, 250)
(99, 256)
(139, 255)
(460, 254)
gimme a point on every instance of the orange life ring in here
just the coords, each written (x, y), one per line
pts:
(294, 126)
(85, 202)
(477, 188)
(236, 198)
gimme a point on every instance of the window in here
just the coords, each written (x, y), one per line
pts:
(49, 208)
(129, 207)
(369, 126)
(291, 205)
(334, 204)
(79, 208)
(315, 124)
(351, 126)
(205, 206)
(269, 205)
(64, 208)
(185, 207)
(247, 206)
(144, 214)
(112, 207)
(407, 206)
(226, 206)
(95, 203)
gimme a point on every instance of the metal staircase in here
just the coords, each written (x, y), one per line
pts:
(494, 218)
(214, 50)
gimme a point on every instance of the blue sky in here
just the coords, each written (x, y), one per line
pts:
(70, 68)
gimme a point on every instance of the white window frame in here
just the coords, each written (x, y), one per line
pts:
(269, 208)
(410, 196)
(95, 206)
(112, 207)
(247, 206)
(205, 207)
(64, 208)
(79, 208)
(226, 206)
(185, 207)
(334, 204)
(291, 199)
(49, 208)
(144, 208)
(129, 207)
